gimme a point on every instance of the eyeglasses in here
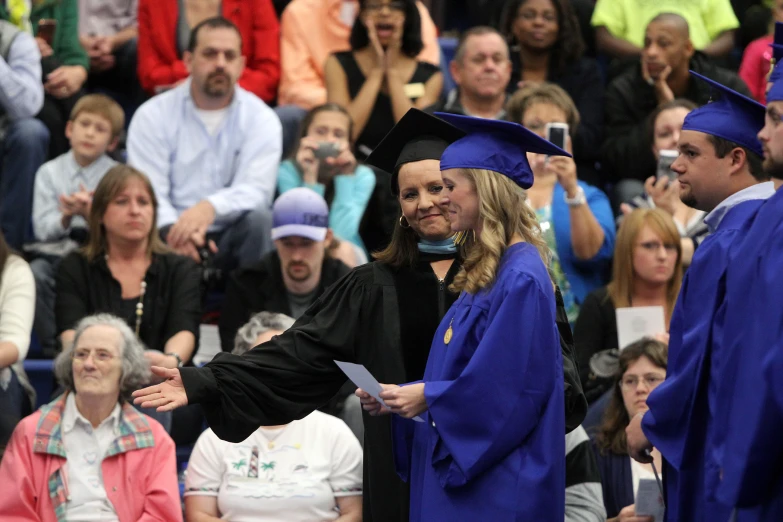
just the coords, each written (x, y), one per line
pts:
(100, 356)
(377, 6)
(655, 246)
(632, 382)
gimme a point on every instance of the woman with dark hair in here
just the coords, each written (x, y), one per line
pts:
(127, 271)
(665, 125)
(642, 367)
(547, 46)
(380, 78)
(324, 162)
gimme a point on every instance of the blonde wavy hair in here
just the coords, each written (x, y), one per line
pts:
(504, 212)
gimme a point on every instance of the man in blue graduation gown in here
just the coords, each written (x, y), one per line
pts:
(751, 397)
(720, 172)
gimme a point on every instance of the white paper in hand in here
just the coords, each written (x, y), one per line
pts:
(649, 501)
(636, 323)
(363, 379)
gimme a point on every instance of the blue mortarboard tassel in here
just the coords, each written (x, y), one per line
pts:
(730, 115)
(499, 146)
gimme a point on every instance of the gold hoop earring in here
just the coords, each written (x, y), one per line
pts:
(406, 225)
(460, 237)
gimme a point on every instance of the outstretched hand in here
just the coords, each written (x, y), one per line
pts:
(166, 396)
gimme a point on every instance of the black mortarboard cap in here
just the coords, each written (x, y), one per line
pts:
(417, 136)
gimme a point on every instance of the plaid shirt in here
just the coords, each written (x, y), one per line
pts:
(134, 433)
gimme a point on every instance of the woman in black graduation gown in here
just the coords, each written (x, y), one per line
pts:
(382, 315)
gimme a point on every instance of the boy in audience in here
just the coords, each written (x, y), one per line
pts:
(63, 195)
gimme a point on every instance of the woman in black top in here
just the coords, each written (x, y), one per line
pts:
(382, 315)
(547, 46)
(380, 78)
(126, 270)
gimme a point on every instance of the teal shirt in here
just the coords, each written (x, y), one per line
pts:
(351, 194)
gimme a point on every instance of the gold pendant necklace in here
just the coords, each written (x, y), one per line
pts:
(449, 333)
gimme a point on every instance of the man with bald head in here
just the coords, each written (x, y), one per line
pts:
(619, 24)
(661, 76)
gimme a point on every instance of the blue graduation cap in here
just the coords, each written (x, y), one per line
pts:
(776, 72)
(731, 116)
(499, 146)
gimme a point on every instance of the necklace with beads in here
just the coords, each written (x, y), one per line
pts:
(140, 305)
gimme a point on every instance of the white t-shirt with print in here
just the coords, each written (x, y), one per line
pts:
(291, 474)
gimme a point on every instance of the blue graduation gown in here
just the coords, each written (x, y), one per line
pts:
(750, 475)
(492, 445)
(681, 408)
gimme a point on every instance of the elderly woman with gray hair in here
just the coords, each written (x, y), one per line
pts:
(89, 454)
(307, 470)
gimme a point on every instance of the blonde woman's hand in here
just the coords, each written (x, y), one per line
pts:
(406, 401)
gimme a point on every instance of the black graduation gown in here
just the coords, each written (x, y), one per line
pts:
(357, 320)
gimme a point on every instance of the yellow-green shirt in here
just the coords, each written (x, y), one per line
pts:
(628, 19)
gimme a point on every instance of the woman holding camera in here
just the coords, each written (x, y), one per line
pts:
(324, 162)
(576, 218)
(127, 271)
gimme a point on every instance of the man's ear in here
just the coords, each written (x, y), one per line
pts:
(455, 71)
(689, 49)
(187, 58)
(329, 237)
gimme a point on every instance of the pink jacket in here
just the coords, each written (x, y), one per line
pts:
(139, 471)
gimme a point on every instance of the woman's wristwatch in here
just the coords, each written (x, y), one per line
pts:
(577, 200)
(177, 357)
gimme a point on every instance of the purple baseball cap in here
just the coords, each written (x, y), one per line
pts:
(300, 212)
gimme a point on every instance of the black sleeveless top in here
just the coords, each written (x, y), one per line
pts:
(381, 118)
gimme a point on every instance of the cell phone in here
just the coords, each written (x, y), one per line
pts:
(326, 149)
(665, 159)
(557, 133)
(46, 29)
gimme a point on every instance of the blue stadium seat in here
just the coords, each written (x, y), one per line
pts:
(41, 375)
(448, 46)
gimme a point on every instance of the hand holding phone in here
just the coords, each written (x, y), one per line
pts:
(665, 159)
(46, 29)
(557, 134)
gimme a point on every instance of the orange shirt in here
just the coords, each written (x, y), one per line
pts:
(310, 31)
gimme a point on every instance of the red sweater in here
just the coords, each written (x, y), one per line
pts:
(158, 61)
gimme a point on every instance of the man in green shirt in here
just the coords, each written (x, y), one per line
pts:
(620, 24)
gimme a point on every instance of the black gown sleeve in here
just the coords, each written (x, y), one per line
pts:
(293, 374)
(575, 402)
